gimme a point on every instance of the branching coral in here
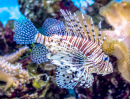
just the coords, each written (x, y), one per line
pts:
(13, 74)
(117, 15)
(15, 56)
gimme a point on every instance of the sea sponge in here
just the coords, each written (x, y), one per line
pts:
(117, 15)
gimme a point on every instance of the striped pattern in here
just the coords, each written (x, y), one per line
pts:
(86, 47)
(86, 27)
(40, 38)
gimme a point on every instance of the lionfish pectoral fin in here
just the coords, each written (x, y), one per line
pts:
(69, 61)
(64, 79)
(89, 80)
(38, 54)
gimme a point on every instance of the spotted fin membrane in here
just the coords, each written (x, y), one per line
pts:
(53, 26)
(25, 31)
(38, 54)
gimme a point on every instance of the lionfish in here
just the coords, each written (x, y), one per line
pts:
(75, 53)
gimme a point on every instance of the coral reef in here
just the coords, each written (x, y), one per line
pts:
(117, 15)
(6, 37)
(39, 86)
(20, 84)
(39, 10)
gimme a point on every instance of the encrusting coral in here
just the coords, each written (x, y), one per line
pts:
(117, 43)
(13, 74)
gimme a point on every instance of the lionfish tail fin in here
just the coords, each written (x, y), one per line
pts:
(25, 31)
(38, 54)
(53, 26)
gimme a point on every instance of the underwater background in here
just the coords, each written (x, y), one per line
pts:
(38, 80)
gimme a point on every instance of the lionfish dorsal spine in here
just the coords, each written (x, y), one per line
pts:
(76, 26)
(86, 27)
(80, 26)
(68, 23)
(93, 30)
(103, 40)
(99, 34)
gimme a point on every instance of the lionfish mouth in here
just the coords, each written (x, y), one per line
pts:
(108, 68)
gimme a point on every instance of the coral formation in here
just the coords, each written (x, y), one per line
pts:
(117, 15)
(33, 86)
(6, 37)
(39, 10)
(13, 74)
(15, 56)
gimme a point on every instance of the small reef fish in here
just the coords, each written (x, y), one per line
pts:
(76, 54)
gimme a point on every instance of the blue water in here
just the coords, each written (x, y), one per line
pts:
(72, 92)
(118, 0)
(82, 3)
(9, 9)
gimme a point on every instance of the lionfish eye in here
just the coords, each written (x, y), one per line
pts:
(106, 58)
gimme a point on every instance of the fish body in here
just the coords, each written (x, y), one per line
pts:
(76, 54)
